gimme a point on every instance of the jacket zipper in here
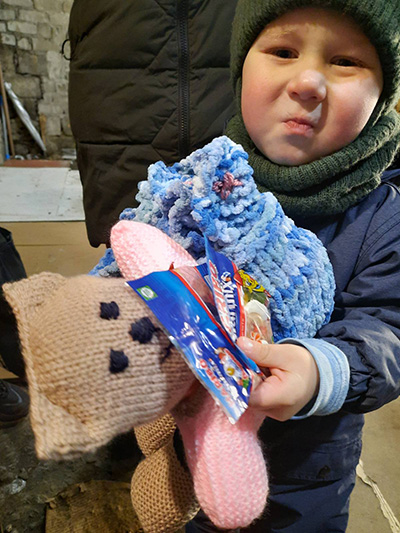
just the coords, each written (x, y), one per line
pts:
(183, 79)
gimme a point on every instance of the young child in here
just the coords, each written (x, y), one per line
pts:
(316, 83)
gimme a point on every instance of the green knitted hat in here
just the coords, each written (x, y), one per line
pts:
(379, 19)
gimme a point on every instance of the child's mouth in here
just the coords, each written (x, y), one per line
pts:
(299, 127)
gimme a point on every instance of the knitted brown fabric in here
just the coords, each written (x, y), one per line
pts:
(94, 370)
(162, 488)
(153, 436)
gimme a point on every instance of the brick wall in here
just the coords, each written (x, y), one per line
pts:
(32, 33)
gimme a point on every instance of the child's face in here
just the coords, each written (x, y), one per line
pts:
(310, 83)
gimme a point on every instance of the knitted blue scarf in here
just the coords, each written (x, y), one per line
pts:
(212, 192)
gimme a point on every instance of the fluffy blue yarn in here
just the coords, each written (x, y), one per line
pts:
(247, 226)
(107, 266)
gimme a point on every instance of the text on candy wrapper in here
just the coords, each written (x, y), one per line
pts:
(225, 301)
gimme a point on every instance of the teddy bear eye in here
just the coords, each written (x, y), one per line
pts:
(109, 310)
(118, 361)
(142, 330)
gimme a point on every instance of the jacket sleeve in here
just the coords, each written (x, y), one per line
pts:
(365, 324)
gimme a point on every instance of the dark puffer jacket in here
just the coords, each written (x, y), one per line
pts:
(149, 81)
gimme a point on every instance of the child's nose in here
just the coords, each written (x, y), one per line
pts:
(308, 85)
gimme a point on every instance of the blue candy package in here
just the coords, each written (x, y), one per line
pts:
(242, 303)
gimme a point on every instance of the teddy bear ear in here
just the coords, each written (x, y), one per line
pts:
(27, 295)
(140, 249)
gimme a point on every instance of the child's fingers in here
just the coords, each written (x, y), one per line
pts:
(293, 378)
(258, 352)
(265, 355)
(276, 399)
(270, 394)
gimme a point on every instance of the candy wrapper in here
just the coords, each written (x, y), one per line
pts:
(204, 310)
(242, 303)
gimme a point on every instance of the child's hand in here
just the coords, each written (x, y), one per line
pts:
(293, 382)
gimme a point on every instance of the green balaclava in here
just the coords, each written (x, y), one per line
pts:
(334, 183)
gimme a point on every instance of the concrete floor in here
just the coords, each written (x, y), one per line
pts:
(62, 247)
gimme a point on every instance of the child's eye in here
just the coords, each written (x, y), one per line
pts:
(284, 53)
(346, 62)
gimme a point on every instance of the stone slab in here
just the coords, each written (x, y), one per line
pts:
(40, 194)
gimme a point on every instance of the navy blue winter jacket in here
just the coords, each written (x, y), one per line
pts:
(364, 248)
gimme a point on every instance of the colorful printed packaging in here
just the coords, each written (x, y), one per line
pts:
(203, 311)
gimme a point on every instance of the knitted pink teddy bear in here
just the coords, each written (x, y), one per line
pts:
(217, 452)
(98, 364)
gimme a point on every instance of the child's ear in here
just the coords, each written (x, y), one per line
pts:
(27, 295)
